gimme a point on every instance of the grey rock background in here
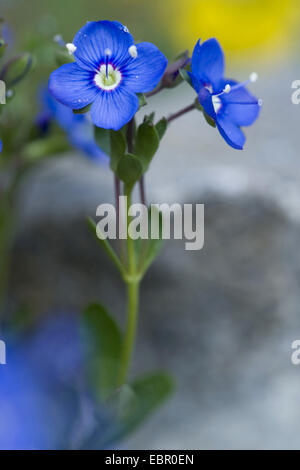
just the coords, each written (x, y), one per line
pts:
(221, 320)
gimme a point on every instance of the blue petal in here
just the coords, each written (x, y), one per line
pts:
(114, 109)
(73, 86)
(144, 73)
(208, 62)
(197, 84)
(231, 133)
(240, 105)
(205, 99)
(0, 145)
(95, 37)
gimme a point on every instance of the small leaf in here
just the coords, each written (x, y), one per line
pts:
(134, 403)
(161, 127)
(3, 46)
(106, 246)
(104, 343)
(16, 69)
(209, 119)
(186, 77)
(153, 245)
(82, 110)
(102, 137)
(129, 169)
(147, 143)
(40, 148)
(117, 148)
(142, 99)
(149, 118)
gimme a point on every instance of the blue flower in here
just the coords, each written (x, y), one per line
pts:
(1, 145)
(44, 399)
(227, 102)
(109, 70)
(78, 127)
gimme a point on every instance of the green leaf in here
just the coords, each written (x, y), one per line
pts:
(117, 148)
(82, 110)
(134, 403)
(209, 119)
(106, 246)
(104, 343)
(142, 99)
(147, 143)
(129, 169)
(40, 148)
(161, 127)
(153, 245)
(2, 47)
(16, 69)
(102, 137)
(186, 77)
(149, 118)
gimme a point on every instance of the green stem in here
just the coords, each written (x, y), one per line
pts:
(130, 334)
(133, 283)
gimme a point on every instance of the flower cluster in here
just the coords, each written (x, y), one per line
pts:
(110, 70)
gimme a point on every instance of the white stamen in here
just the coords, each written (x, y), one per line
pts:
(227, 88)
(217, 104)
(108, 78)
(260, 102)
(71, 48)
(253, 77)
(133, 51)
(108, 52)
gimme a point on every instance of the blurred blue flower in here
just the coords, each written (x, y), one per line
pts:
(229, 103)
(1, 145)
(78, 127)
(44, 403)
(109, 71)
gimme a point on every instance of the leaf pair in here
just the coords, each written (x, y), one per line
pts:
(130, 405)
(129, 167)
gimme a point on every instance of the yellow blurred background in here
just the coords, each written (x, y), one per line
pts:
(266, 29)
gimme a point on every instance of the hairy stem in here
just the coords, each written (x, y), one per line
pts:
(133, 284)
(155, 91)
(180, 113)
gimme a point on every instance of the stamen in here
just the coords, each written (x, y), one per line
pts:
(59, 40)
(133, 52)
(226, 90)
(108, 54)
(253, 77)
(71, 48)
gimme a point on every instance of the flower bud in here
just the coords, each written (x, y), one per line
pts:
(171, 76)
(3, 46)
(16, 69)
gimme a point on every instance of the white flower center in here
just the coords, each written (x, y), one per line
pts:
(217, 104)
(108, 78)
